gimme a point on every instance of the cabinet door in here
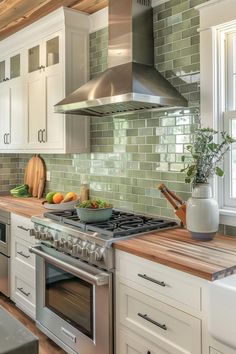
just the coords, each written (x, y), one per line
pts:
(54, 134)
(34, 58)
(4, 114)
(18, 112)
(36, 109)
(15, 66)
(52, 51)
(2, 70)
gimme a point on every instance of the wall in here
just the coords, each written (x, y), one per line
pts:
(9, 176)
(131, 154)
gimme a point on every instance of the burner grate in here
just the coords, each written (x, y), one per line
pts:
(121, 223)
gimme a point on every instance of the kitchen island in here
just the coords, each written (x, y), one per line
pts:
(14, 337)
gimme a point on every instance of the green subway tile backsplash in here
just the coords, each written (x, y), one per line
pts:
(131, 154)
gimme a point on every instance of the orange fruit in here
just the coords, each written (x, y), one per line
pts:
(57, 198)
(71, 195)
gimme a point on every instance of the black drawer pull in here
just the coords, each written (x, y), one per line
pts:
(149, 352)
(23, 292)
(23, 255)
(23, 228)
(144, 276)
(145, 317)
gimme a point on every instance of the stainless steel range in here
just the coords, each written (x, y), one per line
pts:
(74, 275)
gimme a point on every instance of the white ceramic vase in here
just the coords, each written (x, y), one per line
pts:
(202, 216)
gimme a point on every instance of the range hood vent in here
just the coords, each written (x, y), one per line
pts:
(131, 83)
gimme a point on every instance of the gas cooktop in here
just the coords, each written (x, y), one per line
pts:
(92, 242)
(121, 223)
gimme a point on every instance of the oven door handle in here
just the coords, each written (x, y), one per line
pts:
(98, 280)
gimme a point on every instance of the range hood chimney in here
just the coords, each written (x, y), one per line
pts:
(131, 83)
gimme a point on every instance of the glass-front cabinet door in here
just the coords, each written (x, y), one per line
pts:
(33, 58)
(44, 55)
(10, 67)
(52, 51)
(2, 70)
(15, 63)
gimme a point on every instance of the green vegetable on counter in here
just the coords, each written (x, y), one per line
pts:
(21, 191)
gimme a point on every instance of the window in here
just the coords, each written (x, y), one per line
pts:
(218, 90)
(229, 120)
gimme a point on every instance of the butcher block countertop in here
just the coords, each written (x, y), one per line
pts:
(175, 248)
(22, 206)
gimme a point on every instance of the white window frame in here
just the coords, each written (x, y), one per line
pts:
(217, 18)
(226, 185)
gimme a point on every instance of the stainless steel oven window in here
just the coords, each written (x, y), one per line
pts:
(70, 297)
(3, 233)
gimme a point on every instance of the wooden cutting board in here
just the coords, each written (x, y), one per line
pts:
(35, 176)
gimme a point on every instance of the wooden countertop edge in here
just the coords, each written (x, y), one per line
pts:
(26, 207)
(171, 264)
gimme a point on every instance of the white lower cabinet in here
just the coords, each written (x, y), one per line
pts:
(23, 290)
(22, 265)
(173, 330)
(133, 344)
(158, 309)
(214, 351)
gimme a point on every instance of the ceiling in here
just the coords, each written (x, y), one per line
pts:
(17, 14)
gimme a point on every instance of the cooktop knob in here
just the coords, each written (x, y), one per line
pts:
(74, 251)
(92, 256)
(84, 248)
(69, 245)
(99, 254)
(37, 235)
(42, 235)
(79, 249)
(49, 236)
(84, 252)
(96, 255)
(62, 243)
(56, 244)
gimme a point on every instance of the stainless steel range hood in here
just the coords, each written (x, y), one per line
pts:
(131, 83)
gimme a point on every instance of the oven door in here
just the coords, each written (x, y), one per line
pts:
(73, 302)
(4, 238)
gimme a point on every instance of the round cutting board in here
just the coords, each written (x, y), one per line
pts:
(35, 176)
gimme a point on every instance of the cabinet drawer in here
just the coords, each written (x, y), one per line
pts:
(177, 331)
(20, 227)
(23, 294)
(214, 351)
(20, 252)
(158, 279)
(24, 271)
(129, 343)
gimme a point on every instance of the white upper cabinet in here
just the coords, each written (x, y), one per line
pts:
(45, 84)
(52, 63)
(4, 114)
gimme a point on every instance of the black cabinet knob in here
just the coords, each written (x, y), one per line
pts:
(149, 352)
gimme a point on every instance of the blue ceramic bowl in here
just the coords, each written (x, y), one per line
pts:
(94, 215)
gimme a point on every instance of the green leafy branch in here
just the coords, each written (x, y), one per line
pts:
(206, 155)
